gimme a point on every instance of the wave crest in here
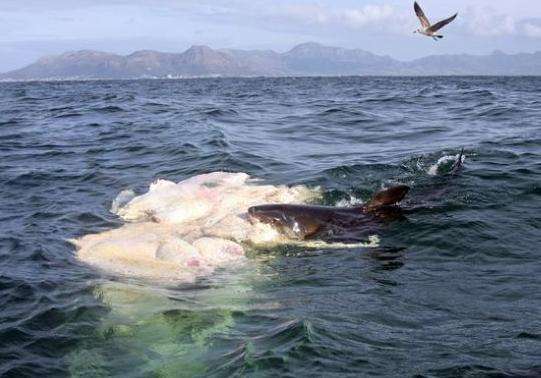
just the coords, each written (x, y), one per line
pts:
(444, 164)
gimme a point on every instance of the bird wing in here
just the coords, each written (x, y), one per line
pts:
(437, 26)
(419, 12)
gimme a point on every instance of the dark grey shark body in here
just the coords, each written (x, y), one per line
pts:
(305, 221)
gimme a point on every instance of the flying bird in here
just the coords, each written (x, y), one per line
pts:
(428, 29)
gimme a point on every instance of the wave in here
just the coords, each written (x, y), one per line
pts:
(444, 164)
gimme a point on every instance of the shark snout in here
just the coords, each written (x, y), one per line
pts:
(252, 214)
(264, 213)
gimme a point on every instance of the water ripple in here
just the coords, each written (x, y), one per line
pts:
(453, 290)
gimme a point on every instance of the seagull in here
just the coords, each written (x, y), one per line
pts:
(430, 30)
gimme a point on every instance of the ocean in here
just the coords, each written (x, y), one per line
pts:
(452, 289)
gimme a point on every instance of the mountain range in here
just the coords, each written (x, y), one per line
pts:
(307, 59)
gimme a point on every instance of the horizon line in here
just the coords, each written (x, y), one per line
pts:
(218, 77)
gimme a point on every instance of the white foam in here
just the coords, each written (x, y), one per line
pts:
(435, 169)
(351, 202)
(372, 242)
(122, 199)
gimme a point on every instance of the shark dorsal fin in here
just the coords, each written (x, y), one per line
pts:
(457, 164)
(388, 197)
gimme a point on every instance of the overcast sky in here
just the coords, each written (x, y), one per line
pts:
(30, 29)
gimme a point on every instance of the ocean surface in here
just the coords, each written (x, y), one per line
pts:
(454, 289)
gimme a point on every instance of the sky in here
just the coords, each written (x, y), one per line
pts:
(30, 29)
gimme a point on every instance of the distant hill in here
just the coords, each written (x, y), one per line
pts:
(308, 59)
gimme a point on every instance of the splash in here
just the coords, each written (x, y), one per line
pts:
(187, 229)
(122, 199)
(350, 202)
(372, 242)
(443, 165)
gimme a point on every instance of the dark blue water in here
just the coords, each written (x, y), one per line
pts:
(453, 290)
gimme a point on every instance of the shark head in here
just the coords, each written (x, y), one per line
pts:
(292, 221)
(268, 214)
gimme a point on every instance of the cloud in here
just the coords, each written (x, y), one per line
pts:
(487, 22)
(308, 13)
(533, 29)
(367, 14)
(331, 16)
